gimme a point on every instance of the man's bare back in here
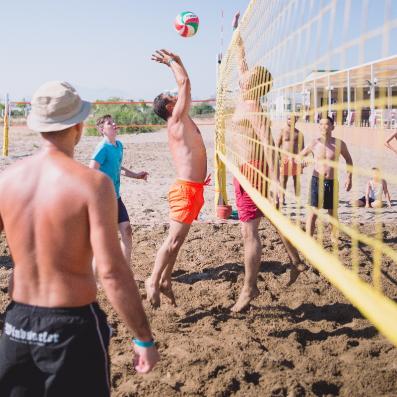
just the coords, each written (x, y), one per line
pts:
(48, 231)
(57, 214)
(187, 149)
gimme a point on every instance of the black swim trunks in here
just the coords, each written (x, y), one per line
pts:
(329, 186)
(54, 352)
(122, 212)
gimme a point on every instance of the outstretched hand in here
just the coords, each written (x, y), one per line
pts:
(235, 20)
(142, 175)
(165, 56)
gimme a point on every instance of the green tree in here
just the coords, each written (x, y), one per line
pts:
(201, 109)
(132, 117)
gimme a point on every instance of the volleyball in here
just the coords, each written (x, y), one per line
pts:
(186, 23)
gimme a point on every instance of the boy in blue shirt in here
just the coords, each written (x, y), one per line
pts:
(108, 157)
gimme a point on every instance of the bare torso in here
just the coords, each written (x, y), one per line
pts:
(291, 143)
(326, 150)
(45, 217)
(187, 149)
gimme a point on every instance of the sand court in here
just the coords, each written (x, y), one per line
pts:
(302, 340)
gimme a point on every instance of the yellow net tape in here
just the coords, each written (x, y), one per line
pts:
(308, 90)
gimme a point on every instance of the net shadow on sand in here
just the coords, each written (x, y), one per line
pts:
(304, 336)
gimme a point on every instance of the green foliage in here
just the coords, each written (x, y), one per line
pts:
(202, 109)
(125, 114)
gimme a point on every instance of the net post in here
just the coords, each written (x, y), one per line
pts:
(6, 125)
(219, 166)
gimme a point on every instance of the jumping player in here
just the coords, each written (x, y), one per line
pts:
(190, 159)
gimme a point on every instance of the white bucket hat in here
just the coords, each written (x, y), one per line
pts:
(56, 105)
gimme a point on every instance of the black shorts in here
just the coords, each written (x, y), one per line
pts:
(54, 352)
(364, 200)
(329, 186)
(122, 212)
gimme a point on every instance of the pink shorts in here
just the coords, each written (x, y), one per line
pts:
(247, 209)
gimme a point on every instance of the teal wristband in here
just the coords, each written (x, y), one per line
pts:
(141, 343)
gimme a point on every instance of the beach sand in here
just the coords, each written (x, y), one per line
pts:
(302, 340)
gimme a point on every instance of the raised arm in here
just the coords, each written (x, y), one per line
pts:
(173, 61)
(241, 58)
(387, 143)
(116, 277)
(349, 161)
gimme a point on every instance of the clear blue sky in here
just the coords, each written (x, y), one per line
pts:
(104, 47)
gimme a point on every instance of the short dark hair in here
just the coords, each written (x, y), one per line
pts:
(160, 106)
(330, 119)
(101, 121)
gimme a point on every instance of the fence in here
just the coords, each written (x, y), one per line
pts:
(131, 116)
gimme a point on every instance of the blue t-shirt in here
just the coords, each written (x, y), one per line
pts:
(110, 157)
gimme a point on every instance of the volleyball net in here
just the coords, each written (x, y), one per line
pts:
(290, 65)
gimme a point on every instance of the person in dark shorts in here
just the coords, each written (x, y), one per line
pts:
(324, 191)
(48, 344)
(55, 337)
(108, 158)
(325, 198)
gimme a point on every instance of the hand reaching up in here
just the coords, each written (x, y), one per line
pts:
(165, 57)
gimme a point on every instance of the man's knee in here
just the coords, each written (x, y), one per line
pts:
(175, 241)
(249, 233)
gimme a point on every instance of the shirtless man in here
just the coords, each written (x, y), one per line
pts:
(329, 148)
(190, 159)
(290, 140)
(57, 214)
(253, 125)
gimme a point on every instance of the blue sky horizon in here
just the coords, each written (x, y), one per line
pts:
(104, 49)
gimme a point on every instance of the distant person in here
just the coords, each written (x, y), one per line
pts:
(108, 157)
(291, 140)
(375, 189)
(389, 139)
(251, 124)
(55, 338)
(324, 189)
(186, 196)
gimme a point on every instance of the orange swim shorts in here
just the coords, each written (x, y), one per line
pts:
(186, 199)
(289, 167)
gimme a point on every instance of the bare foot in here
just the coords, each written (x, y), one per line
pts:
(296, 270)
(166, 289)
(244, 299)
(152, 295)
